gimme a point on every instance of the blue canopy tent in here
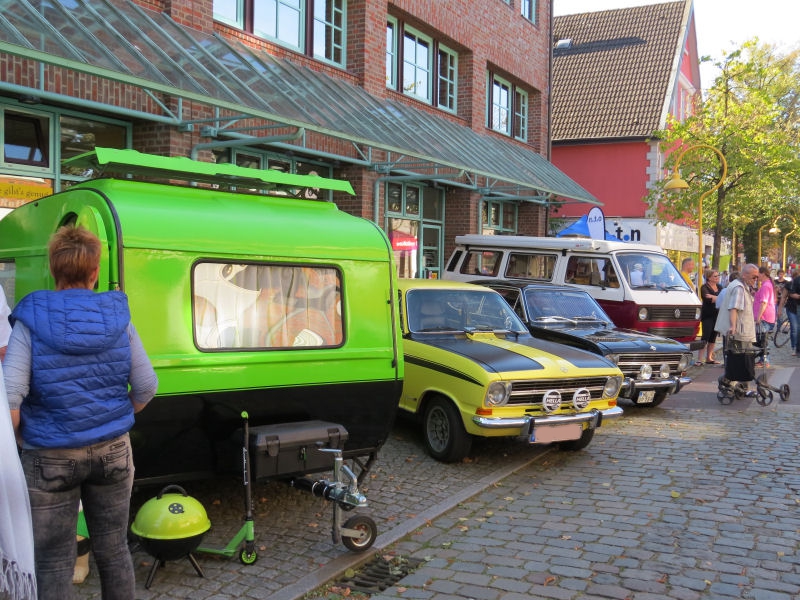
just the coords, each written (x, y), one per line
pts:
(580, 228)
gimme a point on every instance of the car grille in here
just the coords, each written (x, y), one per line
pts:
(531, 392)
(667, 313)
(674, 332)
(629, 364)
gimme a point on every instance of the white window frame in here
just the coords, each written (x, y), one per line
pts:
(519, 126)
(391, 53)
(416, 66)
(507, 112)
(448, 79)
(338, 31)
(528, 9)
(500, 105)
(304, 38)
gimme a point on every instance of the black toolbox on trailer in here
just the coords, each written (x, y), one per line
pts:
(293, 448)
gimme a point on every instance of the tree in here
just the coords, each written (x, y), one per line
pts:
(751, 114)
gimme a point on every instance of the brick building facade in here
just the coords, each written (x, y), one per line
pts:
(436, 112)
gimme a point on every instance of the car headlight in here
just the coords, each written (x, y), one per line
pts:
(684, 362)
(611, 388)
(497, 394)
(664, 371)
(643, 314)
(696, 314)
(645, 372)
(613, 358)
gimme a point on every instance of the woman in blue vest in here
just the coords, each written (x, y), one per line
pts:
(76, 372)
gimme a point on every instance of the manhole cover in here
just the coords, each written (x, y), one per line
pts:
(380, 574)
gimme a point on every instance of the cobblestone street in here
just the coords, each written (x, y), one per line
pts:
(692, 499)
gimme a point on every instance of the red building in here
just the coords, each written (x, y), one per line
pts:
(617, 77)
(436, 112)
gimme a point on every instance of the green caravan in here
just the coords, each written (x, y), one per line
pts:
(250, 293)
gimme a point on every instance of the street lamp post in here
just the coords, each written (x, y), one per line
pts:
(772, 229)
(676, 183)
(784, 262)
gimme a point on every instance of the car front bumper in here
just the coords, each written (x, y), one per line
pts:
(593, 417)
(632, 387)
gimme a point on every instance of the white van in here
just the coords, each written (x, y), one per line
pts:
(636, 284)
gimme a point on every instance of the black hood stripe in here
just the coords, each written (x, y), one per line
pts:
(490, 357)
(439, 367)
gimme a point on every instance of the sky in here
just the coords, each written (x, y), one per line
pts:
(722, 25)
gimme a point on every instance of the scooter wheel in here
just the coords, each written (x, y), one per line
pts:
(248, 558)
(369, 532)
(784, 392)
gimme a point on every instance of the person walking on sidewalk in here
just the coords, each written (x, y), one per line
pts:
(764, 312)
(708, 315)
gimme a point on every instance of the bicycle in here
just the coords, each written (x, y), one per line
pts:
(781, 334)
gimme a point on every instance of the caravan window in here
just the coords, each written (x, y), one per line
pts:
(266, 306)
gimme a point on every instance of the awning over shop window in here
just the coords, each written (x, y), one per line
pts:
(126, 43)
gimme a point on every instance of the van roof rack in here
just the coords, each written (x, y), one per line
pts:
(108, 161)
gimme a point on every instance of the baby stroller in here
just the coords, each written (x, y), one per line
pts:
(740, 369)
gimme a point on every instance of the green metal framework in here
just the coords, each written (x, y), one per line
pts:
(125, 43)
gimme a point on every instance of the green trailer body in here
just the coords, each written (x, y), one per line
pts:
(260, 302)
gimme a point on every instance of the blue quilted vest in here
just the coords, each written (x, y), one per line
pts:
(80, 364)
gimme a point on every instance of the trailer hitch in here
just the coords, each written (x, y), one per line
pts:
(359, 532)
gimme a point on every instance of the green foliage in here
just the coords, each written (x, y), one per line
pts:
(751, 115)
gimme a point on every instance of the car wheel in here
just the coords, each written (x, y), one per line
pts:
(445, 437)
(580, 443)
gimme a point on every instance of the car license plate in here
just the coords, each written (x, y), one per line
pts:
(646, 397)
(544, 434)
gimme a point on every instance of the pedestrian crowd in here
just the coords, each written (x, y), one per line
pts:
(745, 308)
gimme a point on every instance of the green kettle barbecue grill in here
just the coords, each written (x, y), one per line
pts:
(171, 526)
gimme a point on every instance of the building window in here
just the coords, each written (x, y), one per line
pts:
(508, 108)
(296, 165)
(414, 223)
(448, 78)
(528, 8)
(26, 140)
(499, 218)
(421, 66)
(313, 27)
(417, 65)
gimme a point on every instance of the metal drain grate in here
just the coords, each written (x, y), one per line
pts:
(380, 574)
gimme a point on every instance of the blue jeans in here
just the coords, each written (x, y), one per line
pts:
(793, 328)
(102, 476)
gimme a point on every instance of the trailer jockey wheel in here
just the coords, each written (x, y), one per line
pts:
(368, 529)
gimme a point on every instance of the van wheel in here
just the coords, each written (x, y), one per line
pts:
(580, 443)
(445, 437)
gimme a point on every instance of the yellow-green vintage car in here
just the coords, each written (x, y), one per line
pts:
(473, 369)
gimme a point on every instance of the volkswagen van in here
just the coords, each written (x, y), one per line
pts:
(248, 296)
(636, 284)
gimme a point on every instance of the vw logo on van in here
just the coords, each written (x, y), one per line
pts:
(677, 313)
(551, 400)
